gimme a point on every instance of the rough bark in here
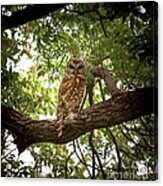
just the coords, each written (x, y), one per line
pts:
(32, 12)
(105, 74)
(122, 107)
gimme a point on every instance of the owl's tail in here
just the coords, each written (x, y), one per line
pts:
(59, 125)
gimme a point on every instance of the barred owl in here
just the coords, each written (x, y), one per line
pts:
(71, 92)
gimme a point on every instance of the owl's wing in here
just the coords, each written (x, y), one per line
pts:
(63, 87)
(61, 102)
(65, 91)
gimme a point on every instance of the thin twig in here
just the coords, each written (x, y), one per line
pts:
(145, 147)
(81, 160)
(101, 89)
(93, 155)
(66, 164)
(118, 153)
(83, 102)
(3, 157)
(81, 153)
(129, 138)
(91, 102)
(97, 156)
(102, 24)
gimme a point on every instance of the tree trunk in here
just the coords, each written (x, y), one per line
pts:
(120, 108)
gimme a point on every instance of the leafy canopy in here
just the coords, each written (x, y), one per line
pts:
(120, 36)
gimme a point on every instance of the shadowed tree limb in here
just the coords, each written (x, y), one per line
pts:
(122, 107)
(30, 13)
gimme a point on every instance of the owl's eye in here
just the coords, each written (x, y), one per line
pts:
(80, 67)
(71, 66)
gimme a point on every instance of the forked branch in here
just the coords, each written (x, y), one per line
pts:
(122, 107)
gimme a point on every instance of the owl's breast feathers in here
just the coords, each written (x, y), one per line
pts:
(72, 90)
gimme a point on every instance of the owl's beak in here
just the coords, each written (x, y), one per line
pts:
(75, 72)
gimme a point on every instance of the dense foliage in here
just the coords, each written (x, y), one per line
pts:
(121, 36)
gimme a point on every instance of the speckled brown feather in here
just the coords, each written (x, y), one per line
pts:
(71, 92)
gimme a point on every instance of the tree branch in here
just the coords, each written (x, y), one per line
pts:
(122, 107)
(32, 12)
(105, 74)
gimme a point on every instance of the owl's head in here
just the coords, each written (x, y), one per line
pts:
(76, 68)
